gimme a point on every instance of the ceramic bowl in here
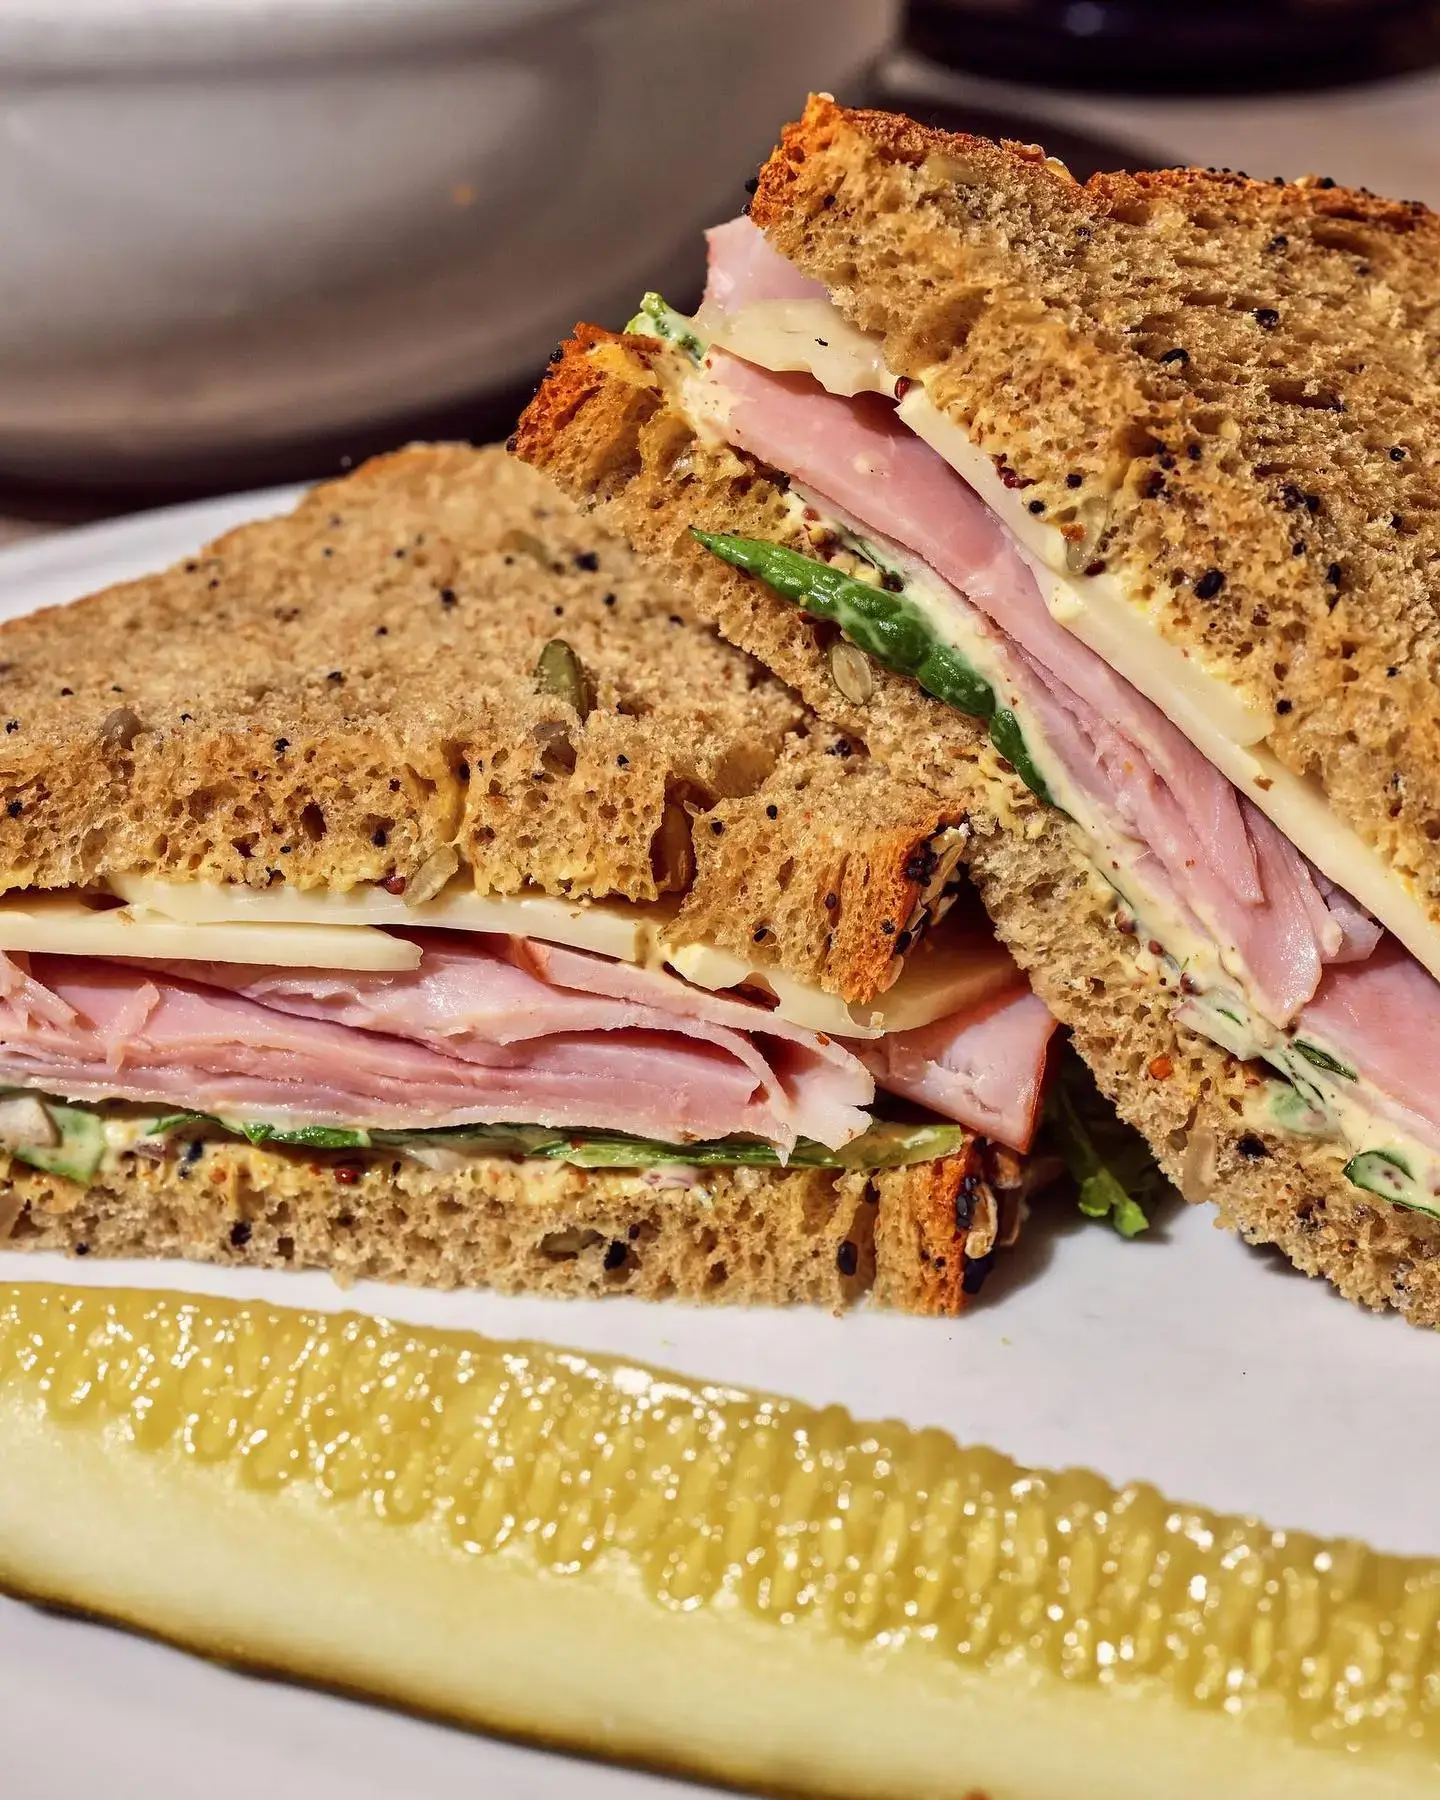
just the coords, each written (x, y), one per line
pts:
(232, 227)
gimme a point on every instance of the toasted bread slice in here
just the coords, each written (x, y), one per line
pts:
(603, 427)
(336, 696)
(915, 1239)
(1225, 392)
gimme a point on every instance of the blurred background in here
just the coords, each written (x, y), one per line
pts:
(249, 241)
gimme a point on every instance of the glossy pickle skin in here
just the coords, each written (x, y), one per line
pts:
(784, 1520)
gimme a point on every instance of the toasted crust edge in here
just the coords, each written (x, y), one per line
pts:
(908, 140)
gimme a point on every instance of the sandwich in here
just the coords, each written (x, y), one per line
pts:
(1106, 513)
(413, 888)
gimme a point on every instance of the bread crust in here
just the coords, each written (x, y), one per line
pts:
(602, 428)
(1226, 390)
(743, 1236)
(338, 696)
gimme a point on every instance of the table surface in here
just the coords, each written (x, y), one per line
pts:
(1385, 137)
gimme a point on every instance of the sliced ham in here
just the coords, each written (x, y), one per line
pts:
(741, 268)
(475, 999)
(489, 1030)
(1277, 948)
(1359, 932)
(84, 1028)
(986, 1070)
(1382, 1016)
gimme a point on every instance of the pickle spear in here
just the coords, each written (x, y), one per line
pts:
(597, 1556)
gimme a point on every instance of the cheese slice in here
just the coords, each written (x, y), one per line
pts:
(619, 929)
(337, 929)
(63, 924)
(805, 337)
(797, 1002)
(1097, 610)
(956, 969)
(1219, 721)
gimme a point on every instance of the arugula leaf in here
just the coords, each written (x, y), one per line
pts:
(1115, 1175)
(168, 1122)
(884, 1146)
(657, 318)
(887, 1144)
(1322, 1059)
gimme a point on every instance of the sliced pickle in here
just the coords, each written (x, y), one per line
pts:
(595, 1555)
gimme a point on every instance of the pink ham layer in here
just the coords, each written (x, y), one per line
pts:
(1383, 1017)
(971, 1067)
(1301, 941)
(486, 1030)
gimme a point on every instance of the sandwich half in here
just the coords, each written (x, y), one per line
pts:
(1106, 513)
(412, 888)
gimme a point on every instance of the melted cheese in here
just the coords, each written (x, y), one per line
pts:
(62, 924)
(1220, 722)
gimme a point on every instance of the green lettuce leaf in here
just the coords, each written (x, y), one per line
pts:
(887, 1144)
(1115, 1175)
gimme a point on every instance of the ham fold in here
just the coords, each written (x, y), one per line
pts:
(968, 1066)
(1383, 1017)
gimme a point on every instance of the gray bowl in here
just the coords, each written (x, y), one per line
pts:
(232, 227)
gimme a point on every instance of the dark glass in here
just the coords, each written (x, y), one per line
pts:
(1180, 46)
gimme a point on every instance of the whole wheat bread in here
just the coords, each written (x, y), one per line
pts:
(1227, 390)
(602, 426)
(339, 695)
(915, 1239)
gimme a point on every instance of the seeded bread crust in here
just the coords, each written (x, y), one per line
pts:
(339, 695)
(602, 428)
(746, 1236)
(1244, 376)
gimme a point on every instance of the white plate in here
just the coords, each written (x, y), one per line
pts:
(1187, 1360)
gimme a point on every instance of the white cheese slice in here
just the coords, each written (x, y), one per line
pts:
(617, 929)
(62, 924)
(950, 971)
(813, 337)
(1220, 722)
(621, 930)
(796, 1001)
(1095, 610)
(809, 337)
(322, 928)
